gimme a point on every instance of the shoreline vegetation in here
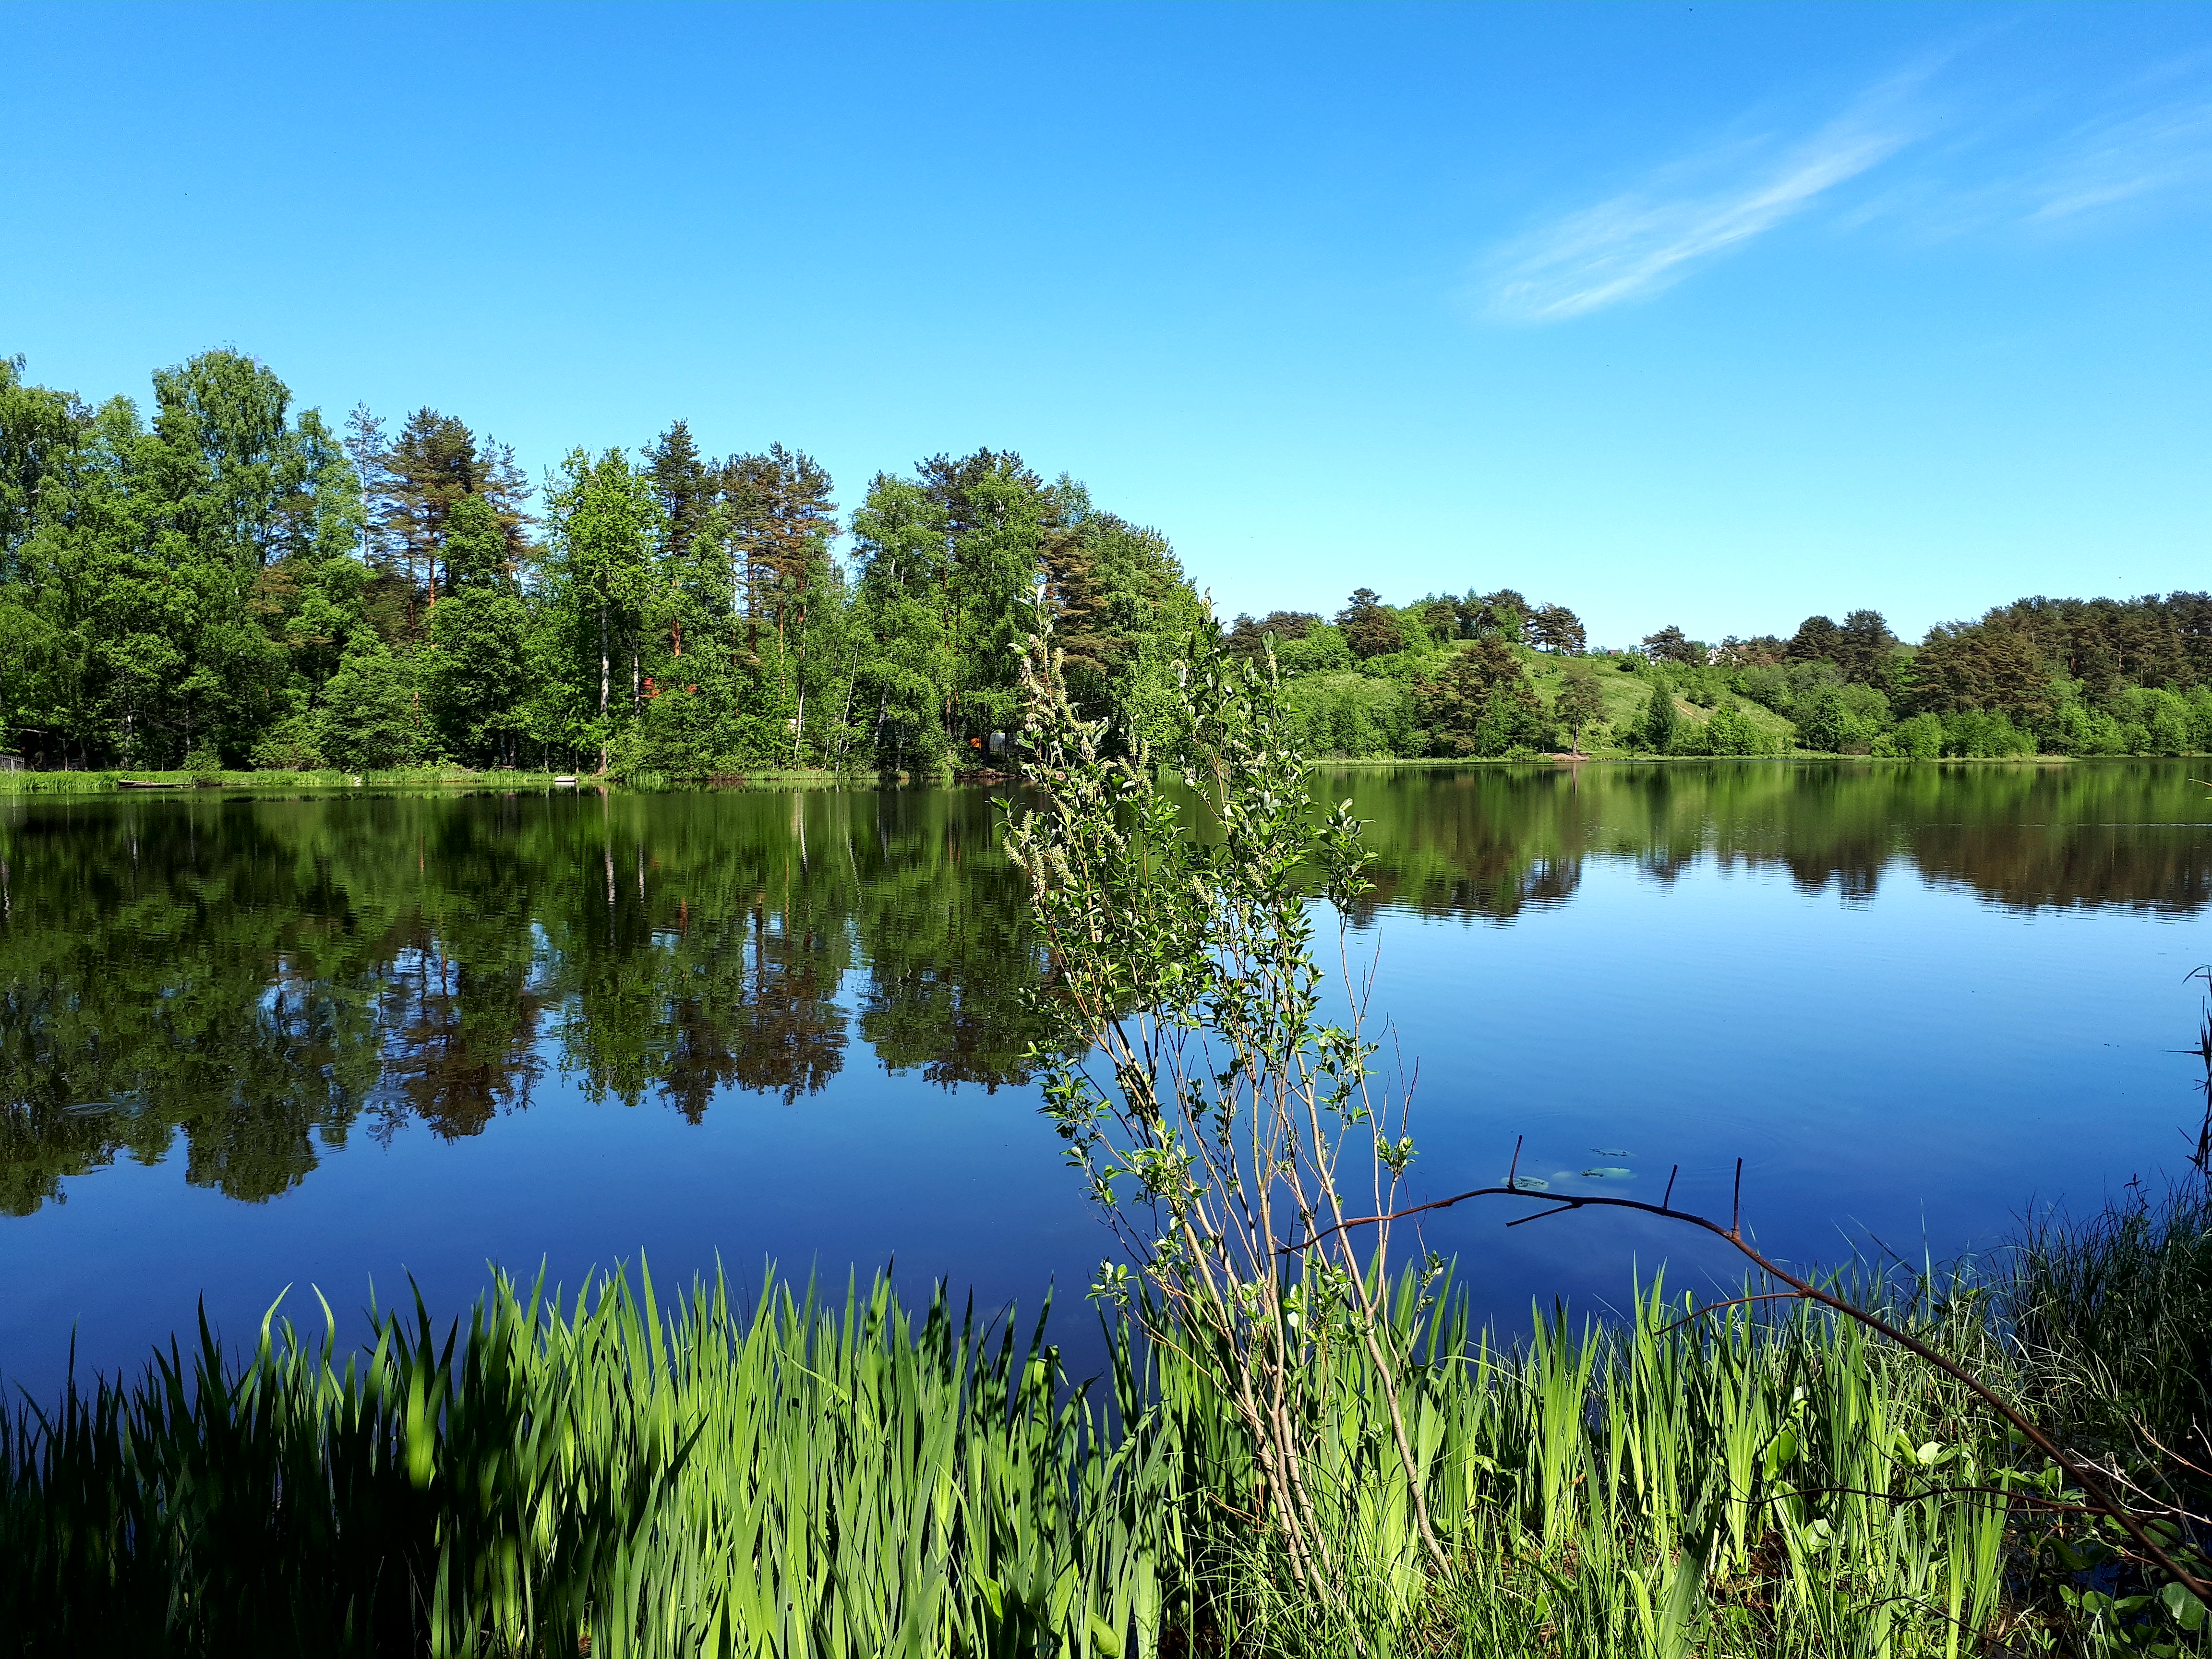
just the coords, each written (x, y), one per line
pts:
(794, 1472)
(221, 583)
(117, 781)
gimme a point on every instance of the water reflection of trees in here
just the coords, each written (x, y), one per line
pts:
(1493, 842)
(265, 976)
(261, 975)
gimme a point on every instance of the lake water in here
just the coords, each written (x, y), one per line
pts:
(343, 1039)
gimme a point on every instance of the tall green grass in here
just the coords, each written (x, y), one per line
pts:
(1748, 1484)
(2114, 1310)
(799, 1478)
(841, 1477)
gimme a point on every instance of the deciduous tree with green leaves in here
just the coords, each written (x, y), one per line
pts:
(604, 521)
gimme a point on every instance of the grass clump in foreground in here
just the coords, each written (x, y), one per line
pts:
(800, 1476)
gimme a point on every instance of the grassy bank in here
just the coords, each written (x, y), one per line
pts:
(98, 783)
(787, 1475)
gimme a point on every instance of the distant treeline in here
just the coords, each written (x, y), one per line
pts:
(228, 584)
(1494, 674)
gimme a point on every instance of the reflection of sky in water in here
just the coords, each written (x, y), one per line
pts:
(1910, 1057)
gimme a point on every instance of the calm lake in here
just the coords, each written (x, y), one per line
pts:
(344, 1039)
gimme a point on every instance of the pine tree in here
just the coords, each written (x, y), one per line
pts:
(416, 480)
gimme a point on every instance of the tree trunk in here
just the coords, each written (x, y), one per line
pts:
(603, 688)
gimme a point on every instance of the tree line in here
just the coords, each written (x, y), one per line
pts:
(226, 583)
(222, 582)
(1492, 674)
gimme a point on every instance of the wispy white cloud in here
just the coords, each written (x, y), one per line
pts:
(1995, 163)
(1639, 243)
(2126, 159)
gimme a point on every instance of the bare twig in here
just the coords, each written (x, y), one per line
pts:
(2093, 1479)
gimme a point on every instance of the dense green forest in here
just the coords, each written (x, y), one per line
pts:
(229, 583)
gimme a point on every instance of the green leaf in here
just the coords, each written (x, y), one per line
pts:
(2188, 1612)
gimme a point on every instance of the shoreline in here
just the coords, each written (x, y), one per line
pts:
(189, 783)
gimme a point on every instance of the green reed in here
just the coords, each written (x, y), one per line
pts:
(2116, 1309)
(800, 1478)
(1749, 1483)
(840, 1477)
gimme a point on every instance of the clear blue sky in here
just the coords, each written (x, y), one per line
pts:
(1708, 315)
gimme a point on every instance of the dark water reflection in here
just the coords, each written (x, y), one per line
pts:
(247, 1042)
(264, 974)
(272, 977)
(1495, 843)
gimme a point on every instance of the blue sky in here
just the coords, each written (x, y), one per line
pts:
(1706, 314)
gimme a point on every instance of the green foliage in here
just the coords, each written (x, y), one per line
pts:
(839, 1475)
(1350, 716)
(369, 719)
(2118, 1306)
(1731, 732)
(1178, 925)
(1843, 718)
(1982, 735)
(1480, 702)
(615, 1476)
(202, 583)
(1655, 731)
(476, 673)
(1581, 703)
(1370, 629)
(291, 747)
(189, 576)
(1920, 738)
(1321, 649)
